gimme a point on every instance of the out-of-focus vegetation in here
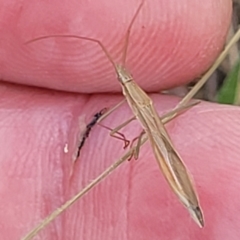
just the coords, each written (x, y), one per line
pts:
(229, 93)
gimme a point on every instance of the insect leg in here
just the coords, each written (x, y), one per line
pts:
(115, 131)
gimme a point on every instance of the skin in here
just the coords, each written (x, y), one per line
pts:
(134, 202)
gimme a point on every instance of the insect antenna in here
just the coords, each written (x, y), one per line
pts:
(77, 37)
(108, 55)
(125, 48)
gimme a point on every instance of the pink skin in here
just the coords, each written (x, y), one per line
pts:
(174, 42)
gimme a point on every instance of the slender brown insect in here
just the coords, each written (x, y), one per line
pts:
(142, 106)
(88, 129)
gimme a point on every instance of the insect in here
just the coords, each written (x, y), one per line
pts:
(88, 129)
(142, 106)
